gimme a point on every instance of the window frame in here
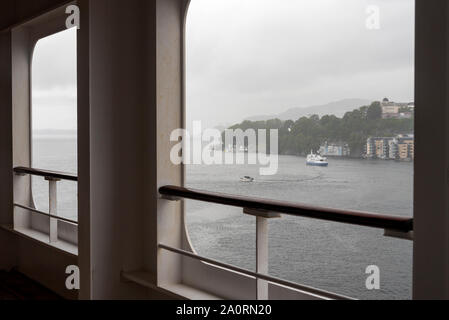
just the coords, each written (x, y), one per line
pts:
(30, 34)
(225, 283)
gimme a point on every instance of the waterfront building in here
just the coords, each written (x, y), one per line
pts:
(400, 147)
(393, 149)
(406, 148)
(392, 110)
(378, 147)
(335, 150)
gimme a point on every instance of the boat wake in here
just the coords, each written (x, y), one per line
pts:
(318, 177)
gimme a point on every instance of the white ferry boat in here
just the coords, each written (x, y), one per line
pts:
(316, 160)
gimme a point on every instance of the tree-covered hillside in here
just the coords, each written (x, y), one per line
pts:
(309, 133)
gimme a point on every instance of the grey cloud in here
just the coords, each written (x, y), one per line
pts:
(54, 94)
(262, 55)
(250, 57)
(54, 61)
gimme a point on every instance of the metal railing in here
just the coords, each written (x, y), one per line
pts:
(263, 210)
(53, 177)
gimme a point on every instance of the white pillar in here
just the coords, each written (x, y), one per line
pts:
(53, 201)
(262, 256)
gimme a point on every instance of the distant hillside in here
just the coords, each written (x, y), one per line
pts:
(338, 108)
(298, 137)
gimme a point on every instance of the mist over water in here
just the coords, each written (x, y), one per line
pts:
(330, 256)
(56, 154)
(326, 255)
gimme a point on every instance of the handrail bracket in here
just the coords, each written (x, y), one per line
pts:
(260, 213)
(405, 235)
(170, 198)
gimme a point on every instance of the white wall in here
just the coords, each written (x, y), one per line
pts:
(130, 106)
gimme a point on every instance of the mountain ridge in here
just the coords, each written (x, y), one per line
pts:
(337, 108)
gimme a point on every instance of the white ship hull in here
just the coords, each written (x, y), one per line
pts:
(317, 163)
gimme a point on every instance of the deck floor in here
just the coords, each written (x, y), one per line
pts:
(15, 286)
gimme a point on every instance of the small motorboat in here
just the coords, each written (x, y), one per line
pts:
(247, 179)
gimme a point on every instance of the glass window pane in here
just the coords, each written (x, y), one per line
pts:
(54, 118)
(335, 79)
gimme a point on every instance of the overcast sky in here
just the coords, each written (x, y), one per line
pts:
(54, 82)
(252, 57)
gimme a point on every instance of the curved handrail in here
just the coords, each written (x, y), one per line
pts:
(402, 224)
(46, 173)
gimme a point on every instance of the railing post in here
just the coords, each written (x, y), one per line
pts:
(53, 207)
(262, 256)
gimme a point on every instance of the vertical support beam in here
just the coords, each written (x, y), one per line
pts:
(84, 154)
(109, 241)
(6, 162)
(262, 256)
(168, 221)
(431, 202)
(21, 124)
(8, 246)
(53, 201)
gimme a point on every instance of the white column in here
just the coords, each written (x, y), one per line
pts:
(53, 201)
(262, 256)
